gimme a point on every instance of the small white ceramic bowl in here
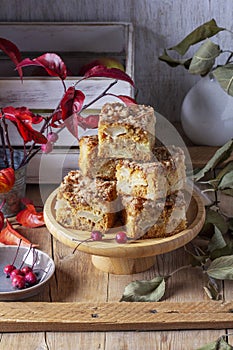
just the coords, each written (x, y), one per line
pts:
(44, 268)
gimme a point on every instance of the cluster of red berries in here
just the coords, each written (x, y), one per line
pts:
(22, 277)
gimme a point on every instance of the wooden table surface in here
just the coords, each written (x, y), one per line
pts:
(77, 280)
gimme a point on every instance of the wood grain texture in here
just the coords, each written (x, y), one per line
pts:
(158, 24)
(114, 316)
(135, 250)
(79, 281)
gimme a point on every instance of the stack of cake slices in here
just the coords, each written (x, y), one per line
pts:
(123, 176)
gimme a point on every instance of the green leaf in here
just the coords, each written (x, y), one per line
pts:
(225, 170)
(228, 192)
(230, 223)
(221, 268)
(212, 182)
(201, 33)
(152, 290)
(227, 250)
(217, 241)
(219, 344)
(220, 155)
(174, 62)
(204, 59)
(227, 181)
(224, 75)
(216, 219)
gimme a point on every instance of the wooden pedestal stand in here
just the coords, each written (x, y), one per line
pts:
(134, 257)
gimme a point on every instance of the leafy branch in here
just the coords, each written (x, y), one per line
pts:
(203, 60)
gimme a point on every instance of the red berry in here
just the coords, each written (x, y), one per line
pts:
(52, 137)
(8, 269)
(16, 272)
(30, 278)
(26, 269)
(96, 236)
(121, 237)
(46, 147)
(18, 281)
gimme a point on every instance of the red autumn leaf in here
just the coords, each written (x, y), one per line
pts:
(23, 119)
(12, 51)
(71, 105)
(71, 102)
(90, 122)
(29, 217)
(29, 134)
(126, 99)
(51, 62)
(25, 201)
(22, 113)
(7, 180)
(114, 73)
(72, 124)
(56, 121)
(10, 236)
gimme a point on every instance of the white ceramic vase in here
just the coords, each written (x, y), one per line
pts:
(207, 113)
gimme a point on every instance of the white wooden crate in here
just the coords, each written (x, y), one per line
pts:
(77, 44)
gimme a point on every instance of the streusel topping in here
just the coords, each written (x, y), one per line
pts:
(135, 115)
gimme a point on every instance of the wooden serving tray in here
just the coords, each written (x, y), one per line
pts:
(114, 316)
(129, 258)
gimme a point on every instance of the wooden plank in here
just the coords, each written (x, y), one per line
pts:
(84, 316)
(200, 155)
(160, 340)
(24, 341)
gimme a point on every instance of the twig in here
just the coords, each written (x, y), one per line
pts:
(216, 201)
(29, 157)
(5, 127)
(100, 96)
(180, 269)
(5, 159)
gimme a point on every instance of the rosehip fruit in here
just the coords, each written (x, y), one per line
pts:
(16, 272)
(30, 278)
(18, 281)
(46, 147)
(8, 269)
(52, 137)
(121, 237)
(26, 269)
(96, 236)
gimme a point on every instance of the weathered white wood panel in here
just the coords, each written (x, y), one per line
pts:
(158, 24)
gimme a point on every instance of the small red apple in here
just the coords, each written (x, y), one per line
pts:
(108, 62)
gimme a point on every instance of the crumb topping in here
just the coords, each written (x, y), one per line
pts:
(135, 115)
(91, 140)
(79, 189)
(145, 167)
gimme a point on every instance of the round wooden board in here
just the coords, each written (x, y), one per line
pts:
(110, 256)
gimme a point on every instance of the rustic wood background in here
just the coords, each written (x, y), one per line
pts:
(158, 24)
